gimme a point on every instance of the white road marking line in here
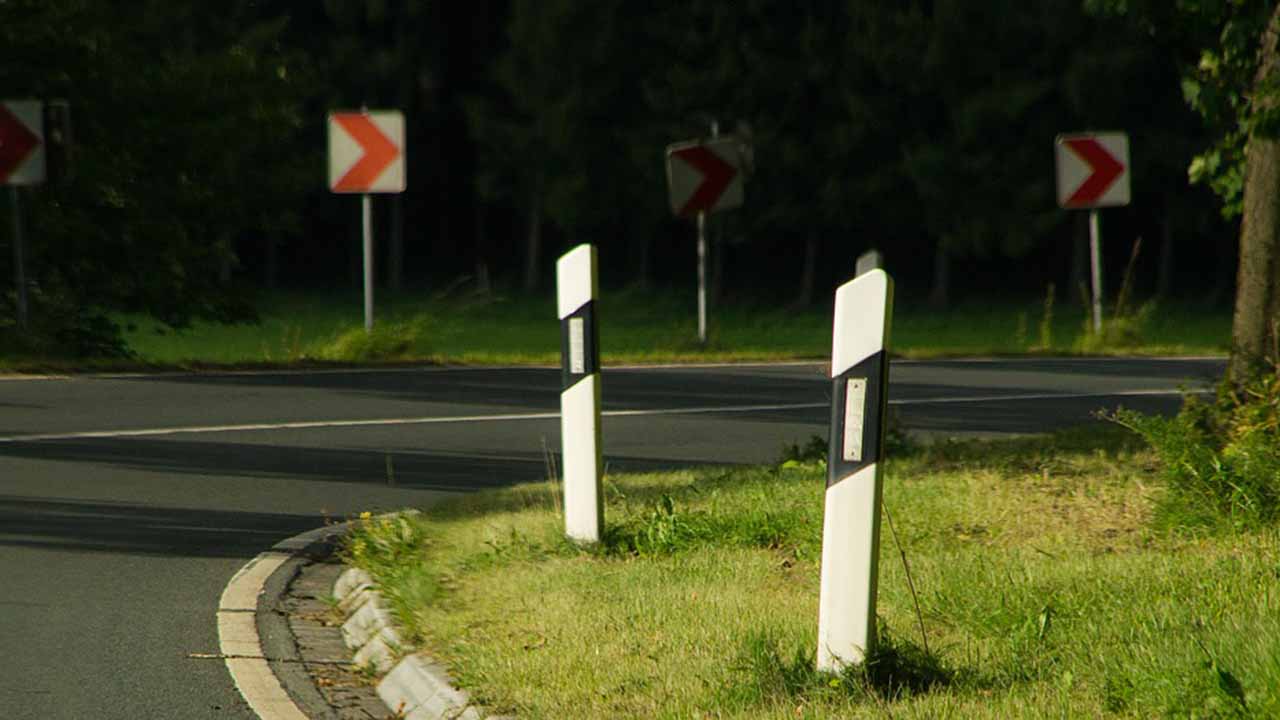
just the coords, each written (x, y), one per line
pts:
(124, 375)
(238, 640)
(1048, 396)
(516, 417)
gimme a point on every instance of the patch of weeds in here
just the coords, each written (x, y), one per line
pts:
(811, 455)
(379, 543)
(668, 527)
(1046, 321)
(765, 671)
(1030, 455)
(1118, 331)
(765, 528)
(1127, 326)
(1221, 459)
(391, 549)
(897, 443)
(387, 341)
(1216, 691)
(814, 454)
(899, 668)
(514, 546)
(661, 530)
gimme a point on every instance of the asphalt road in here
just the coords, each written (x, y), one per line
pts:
(127, 502)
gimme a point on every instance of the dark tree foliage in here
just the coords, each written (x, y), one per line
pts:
(922, 127)
(183, 115)
(1235, 87)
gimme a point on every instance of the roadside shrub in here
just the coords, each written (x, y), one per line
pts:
(387, 341)
(1220, 458)
(59, 327)
(664, 529)
(1124, 329)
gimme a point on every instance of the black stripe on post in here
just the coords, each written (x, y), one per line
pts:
(869, 444)
(579, 349)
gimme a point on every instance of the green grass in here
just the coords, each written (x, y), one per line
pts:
(639, 327)
(1045, 588)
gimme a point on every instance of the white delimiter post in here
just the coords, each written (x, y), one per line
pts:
(577, 287)
(851, 513)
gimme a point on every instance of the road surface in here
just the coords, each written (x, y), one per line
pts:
(127, 502)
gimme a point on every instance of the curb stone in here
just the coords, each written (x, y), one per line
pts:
(415, 687)
(300, 638)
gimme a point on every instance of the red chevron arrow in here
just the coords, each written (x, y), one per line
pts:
(716, 176)
(1105, 171)
(16, 143)
(379, 152)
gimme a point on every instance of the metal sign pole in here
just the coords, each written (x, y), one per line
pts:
(702, 260)
(851, 508)
(702, 278)
(19, 259)
(576, 291)
(366, 211)
(1095, 259)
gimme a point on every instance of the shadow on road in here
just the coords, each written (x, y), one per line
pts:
(533, 388)
(82, 526)
(419, 470)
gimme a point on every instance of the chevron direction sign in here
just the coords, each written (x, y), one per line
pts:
(704, 177)
(366, 151)
(21, 142)
(1093, 170)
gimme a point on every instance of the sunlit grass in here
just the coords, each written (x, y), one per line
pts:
(641, 327)
(1045, 590)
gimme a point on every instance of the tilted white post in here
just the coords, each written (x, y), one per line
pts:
(851, 513)
(577, 288)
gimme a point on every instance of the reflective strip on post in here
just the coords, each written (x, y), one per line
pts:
(851, 511)
(576, 291)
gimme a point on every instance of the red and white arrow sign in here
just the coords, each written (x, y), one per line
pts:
(366, 152)
(21, 142)
(1093, 170)
(704, 177)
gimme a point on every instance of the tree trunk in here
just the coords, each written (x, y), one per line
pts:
(395, 249)
(1079, 289)
(483, 285)
(810, 270)
(228, 259)
(271, 264)
(533, 241)
(1224, 275)
(644, 259)
(1164, 282)
(1257, 310)
(940, 296)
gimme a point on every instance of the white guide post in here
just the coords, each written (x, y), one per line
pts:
(851, 512)
(576, 291)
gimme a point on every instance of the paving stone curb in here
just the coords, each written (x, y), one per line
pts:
(321, 624)
(413, 686)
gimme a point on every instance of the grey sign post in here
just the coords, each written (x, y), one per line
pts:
(704, 177)
(22, 162)
(851, 508)
(1093, 172)
(366, 155)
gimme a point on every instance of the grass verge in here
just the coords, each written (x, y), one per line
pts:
(639, 327)
(1046, 591)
